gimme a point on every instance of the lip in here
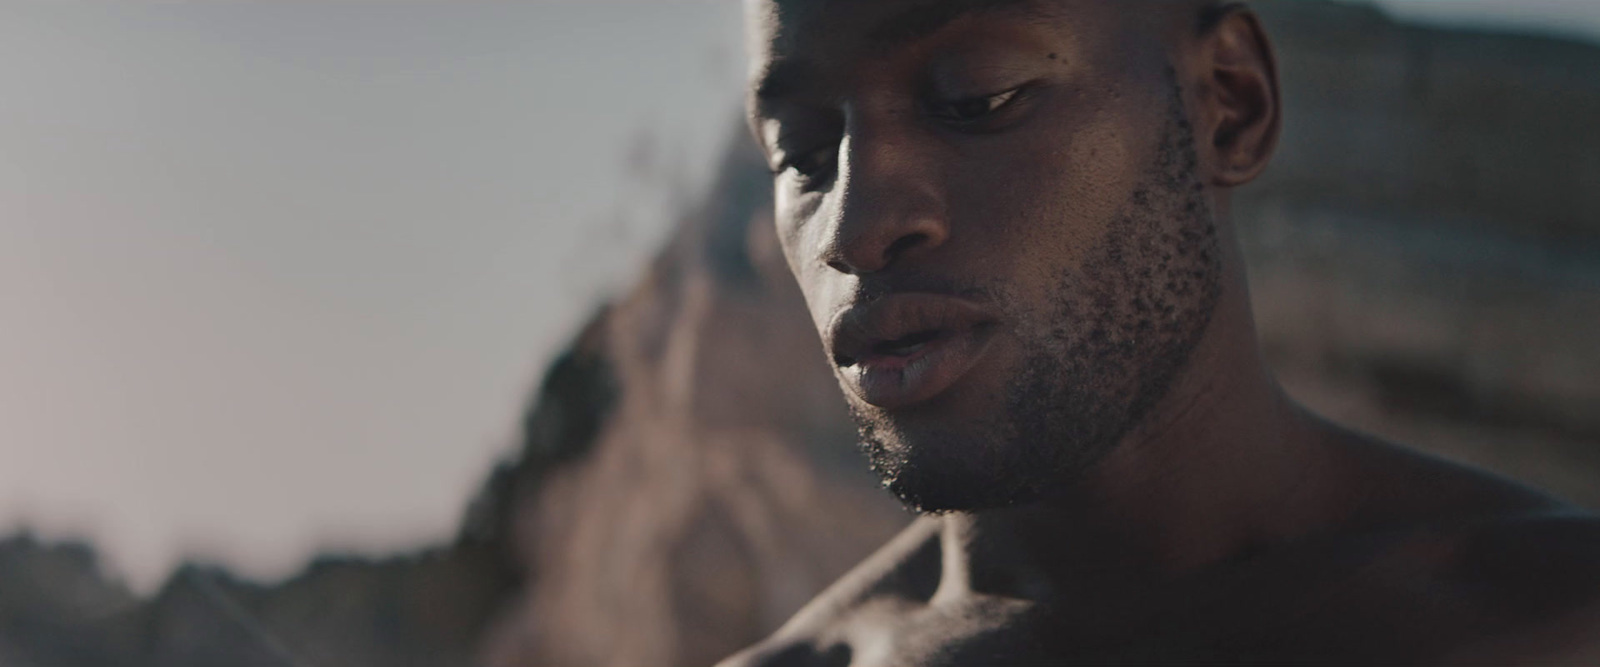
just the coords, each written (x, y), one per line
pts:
(908, 348)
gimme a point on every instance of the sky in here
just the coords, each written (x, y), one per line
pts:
(277, 277)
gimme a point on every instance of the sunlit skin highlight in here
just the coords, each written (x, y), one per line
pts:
(1010, 222)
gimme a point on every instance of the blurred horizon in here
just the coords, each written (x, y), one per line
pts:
(252, 251)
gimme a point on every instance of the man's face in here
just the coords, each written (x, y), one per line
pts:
(993, 212)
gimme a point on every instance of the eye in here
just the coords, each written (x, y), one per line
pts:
(809, 166)
(971, 109)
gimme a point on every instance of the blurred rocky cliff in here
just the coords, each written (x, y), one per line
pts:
(1426, 265)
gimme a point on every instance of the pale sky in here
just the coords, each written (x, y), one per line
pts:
(278, 276)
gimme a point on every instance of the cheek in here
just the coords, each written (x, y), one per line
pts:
(796, 214)
(789, 223)
(1048, 197)
(823, 288)
(1096, 174)
(785, 220)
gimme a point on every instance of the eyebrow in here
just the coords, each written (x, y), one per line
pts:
(780, 78)
(784, 75)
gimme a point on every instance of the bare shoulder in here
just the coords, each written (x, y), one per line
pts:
(1538, 562)
(1536, 581)
(905, 571)
(1441, 557)
(1497, 529)
(1520, 552)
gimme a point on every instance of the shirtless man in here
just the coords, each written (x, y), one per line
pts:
(1010, 221)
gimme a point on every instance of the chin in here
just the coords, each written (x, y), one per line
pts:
(938, 467)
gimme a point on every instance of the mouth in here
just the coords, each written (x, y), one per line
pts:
(899, 350)
(906, 349)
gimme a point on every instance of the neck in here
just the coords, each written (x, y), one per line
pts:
(1224, 464)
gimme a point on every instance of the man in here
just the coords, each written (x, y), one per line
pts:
(1010, 222)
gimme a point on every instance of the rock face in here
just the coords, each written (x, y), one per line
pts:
(1425, 250)
(720, 493)
(1425, 260)
(57, 610)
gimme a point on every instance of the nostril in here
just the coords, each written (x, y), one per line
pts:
(860, 256)
(903, 244)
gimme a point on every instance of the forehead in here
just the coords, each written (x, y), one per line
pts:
(805, 39)
(781, 22)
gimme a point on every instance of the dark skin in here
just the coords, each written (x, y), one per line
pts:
(1010, 223)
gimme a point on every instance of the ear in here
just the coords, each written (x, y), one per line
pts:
(1239, 111)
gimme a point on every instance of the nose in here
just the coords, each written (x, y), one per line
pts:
(887, 207)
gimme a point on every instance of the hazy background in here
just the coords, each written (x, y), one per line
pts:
(249, 252)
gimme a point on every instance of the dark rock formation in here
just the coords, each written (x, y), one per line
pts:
(54, 603)
(1426, 265)
(57, 610)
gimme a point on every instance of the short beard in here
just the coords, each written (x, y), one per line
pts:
(1121, 329)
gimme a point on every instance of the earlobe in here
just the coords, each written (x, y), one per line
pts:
(1243, 100)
